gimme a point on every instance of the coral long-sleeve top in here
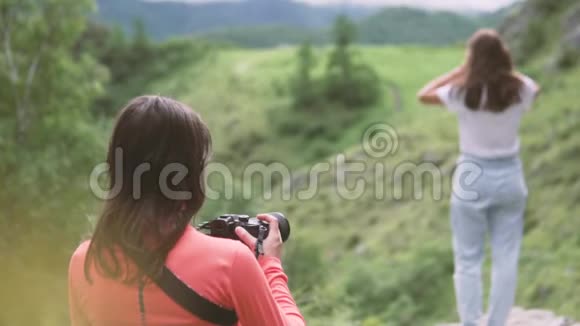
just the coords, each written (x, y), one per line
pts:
(223, 271)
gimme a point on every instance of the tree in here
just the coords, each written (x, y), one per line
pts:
(344, 33)
(346, 82)
(36, 39)
(303, 86)
(140, 37)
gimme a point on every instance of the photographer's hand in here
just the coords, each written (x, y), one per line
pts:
(272, 244)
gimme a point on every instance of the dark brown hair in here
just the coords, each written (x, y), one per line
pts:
(489, 71)
(142, 225)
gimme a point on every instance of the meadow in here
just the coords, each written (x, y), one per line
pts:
(351, 262)
(388, 261)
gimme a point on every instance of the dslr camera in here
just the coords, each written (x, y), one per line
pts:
(225, 226)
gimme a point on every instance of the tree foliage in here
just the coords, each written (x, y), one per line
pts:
(304, 87)
(44, 81)
(346, 81)
(46, 132)
(133, 60)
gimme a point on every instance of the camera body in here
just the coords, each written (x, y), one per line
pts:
(225, 226)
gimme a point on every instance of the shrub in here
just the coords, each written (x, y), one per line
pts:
(361, 88)
(346, 82)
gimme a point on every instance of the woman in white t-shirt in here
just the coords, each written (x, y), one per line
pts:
(489, 191)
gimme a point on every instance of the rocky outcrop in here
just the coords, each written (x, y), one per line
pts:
(572, 39)
(521, 317)
(515, 27)
(568, 52)
(527, 32)
(571, 28)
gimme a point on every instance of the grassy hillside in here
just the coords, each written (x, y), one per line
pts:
(369, 261)
(256, 102)
(390, 258)
(542, 33)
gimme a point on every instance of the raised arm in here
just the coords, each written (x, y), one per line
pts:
(428, 94)
(536, 89)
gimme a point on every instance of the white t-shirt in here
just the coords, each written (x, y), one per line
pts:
(487, 134)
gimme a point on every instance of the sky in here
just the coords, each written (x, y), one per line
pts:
(455, 5)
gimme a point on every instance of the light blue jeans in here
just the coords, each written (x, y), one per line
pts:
(489, 196)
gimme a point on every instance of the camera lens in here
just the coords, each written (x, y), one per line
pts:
(283, 224)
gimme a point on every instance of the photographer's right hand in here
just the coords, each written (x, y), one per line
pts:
(273, 244)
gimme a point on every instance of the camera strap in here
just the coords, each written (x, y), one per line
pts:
(193, 302)
(259, 249)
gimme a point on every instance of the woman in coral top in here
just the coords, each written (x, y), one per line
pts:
(146, 222)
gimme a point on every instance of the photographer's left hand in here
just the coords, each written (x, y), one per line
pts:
(272, 245)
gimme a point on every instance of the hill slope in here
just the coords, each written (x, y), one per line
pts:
(388, 26)
(365, 261)
(390, 259)
(362, 261)
(406, 25)
(544, 33)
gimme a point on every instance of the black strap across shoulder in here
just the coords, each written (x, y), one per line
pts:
(191, 301)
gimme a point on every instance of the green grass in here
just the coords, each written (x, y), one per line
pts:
(242, 95)
(364, 261)
(240, 92)
(389, 260)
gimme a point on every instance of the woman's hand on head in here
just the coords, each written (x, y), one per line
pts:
(428, 94)
(272, 245)
(459, 71)
(536, 88)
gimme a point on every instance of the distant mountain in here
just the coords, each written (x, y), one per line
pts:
(166, 19)
(388, 26)
(268, 23)
(410, 25)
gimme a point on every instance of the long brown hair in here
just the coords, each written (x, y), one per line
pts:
(489, 74)
(140, 222)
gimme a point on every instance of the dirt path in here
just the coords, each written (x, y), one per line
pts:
(395, 93)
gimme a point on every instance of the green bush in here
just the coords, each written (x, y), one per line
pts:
(360, 89)
(533, 40)
(407, 288)
(550, 7)
(304, 264)
(134, 63)
(568, 58)
(304, 88)
(346, 82)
